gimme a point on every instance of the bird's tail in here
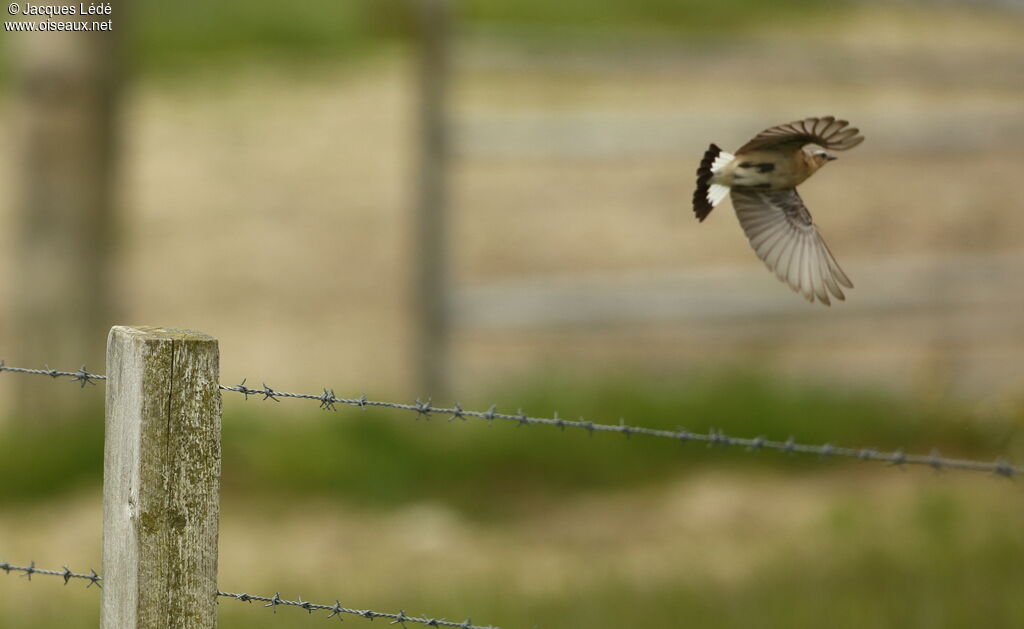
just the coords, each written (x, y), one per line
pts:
(708, 195)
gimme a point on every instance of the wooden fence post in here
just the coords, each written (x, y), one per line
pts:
(161, 480)
(431, 275)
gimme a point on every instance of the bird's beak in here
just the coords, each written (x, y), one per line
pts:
(831, 158)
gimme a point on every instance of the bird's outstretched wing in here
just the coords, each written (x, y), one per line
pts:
(827, 132)
(783, 235)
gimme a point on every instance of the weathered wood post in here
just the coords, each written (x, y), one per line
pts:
(67, 102)
(431, 276)
(161, 480)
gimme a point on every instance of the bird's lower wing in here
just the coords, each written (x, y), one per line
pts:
(783, 235)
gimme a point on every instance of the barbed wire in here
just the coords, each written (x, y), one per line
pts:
(30, 569)
(328, 400)
(271, 601)
(337, 609)
(82, 376)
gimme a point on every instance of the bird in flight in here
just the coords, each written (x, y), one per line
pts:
(762, 178)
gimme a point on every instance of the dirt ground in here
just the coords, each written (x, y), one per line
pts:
(705, 534)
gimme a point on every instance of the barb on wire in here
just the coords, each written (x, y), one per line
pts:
(717, 438)
(337, 609)
(270, 601)
(66, 573)
(82, 376)
(713, 438)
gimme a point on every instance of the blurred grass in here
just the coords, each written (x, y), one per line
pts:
(939, 584)
(945, 555)
(935, 581)
(170, 36)
(45, 458)
(382, 458)
(749, 540)
(166, 36)
(872, 576)
(680, 16)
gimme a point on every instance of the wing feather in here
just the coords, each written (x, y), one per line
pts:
(762, 239)
(825, 282)
(834, 267)
(807, 283)
(793, 265)
(824, 131)
(786, 261)
(774, 255)
(778, 235)
(826, 273)
(818, 281)
(758, 224)
(784, 236)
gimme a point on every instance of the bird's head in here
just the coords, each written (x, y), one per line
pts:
(819, 157)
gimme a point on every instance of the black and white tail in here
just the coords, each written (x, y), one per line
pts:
(708, 195)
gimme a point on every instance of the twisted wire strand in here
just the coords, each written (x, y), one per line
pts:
(273, 602)
(66, 573)
(82, 376)
(328, 400)
(337, 609)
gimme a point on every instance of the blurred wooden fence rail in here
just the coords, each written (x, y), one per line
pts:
(940, 285)
(628, 133)
(957, 317)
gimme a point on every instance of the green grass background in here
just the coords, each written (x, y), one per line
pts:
(947, 557)
(166, 34)
(163, 37)
(383, 458)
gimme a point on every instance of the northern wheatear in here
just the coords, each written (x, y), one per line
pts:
(762, 178)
